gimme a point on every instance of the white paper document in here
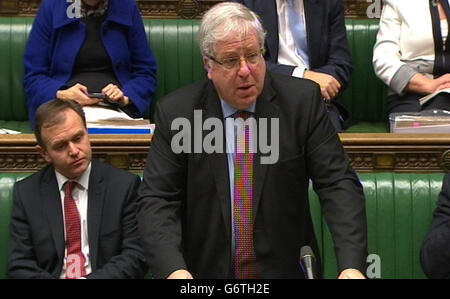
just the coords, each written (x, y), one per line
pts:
(425, 99)
(97, 113)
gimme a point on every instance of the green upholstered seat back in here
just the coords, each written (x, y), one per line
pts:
(13, 36)
(177, 53)
(365, 97)
(6, 200)
(399, 210)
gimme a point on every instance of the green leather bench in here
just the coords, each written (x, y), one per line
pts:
(180, 63)
(399, 212)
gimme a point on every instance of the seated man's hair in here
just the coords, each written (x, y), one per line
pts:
(49, 114)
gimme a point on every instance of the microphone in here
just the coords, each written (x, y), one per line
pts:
(307, 261)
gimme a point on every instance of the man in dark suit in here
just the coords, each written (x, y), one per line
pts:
(328, 60)
(204, 214)
(89, 231)
(434, 255)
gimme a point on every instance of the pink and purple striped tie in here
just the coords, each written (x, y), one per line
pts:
(244, 259)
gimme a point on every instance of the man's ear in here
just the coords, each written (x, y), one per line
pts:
(207, 65)
(43, 153)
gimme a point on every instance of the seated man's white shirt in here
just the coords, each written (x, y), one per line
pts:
(80, 196)
(287, 54)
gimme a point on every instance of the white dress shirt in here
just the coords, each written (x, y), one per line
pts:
(80, 196)
(287, 54)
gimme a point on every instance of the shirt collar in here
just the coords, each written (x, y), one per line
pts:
(230, 110)
(82, 180)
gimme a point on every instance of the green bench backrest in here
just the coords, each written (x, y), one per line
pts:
(179, 64)
(365, 97)
(6, 201)
(13, 37)
(177, 53)
(399, 212)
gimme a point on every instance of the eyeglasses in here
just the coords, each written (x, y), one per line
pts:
(235, 62)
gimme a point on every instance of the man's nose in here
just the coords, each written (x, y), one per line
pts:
(244, 68)
(73, 149)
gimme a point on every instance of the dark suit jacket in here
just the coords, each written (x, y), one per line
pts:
(435, 254)
(327, 38)
(37, 228)
(184, 209)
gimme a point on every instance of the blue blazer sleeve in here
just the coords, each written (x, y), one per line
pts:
(142, 84)
(39, 85)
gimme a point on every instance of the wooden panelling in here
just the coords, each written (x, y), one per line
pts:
(189, 9)
(367, 152)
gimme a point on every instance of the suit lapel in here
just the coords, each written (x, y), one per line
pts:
(265, 108)
(96, 197)
(53, 208)
(313, 15)
(218, 161)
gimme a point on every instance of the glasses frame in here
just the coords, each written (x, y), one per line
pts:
(262, 51)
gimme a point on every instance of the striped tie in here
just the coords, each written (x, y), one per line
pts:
(244, 259)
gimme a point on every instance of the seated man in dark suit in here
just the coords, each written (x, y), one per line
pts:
(307, 39)
(435, 253)
(76, 217)
(206, 210)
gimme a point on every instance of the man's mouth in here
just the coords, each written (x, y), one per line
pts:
(78, 162)
(245, 87)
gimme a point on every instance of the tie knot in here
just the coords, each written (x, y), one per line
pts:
(242, 114)
(69, 186)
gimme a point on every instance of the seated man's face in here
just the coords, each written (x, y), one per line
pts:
(67, 146)
(239, 86)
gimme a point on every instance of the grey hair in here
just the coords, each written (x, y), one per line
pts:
(225, 19)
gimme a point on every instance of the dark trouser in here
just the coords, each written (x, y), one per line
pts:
(409, 102)
(338, 115)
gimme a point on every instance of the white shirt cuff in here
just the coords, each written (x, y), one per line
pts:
(299, 72)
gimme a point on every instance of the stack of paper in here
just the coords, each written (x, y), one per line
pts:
(425, 122)
(103, 120)
(8, 131)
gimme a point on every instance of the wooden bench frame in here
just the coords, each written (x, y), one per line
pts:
(374, 152)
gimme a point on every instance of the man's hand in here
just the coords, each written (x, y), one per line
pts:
(78, 93)
(351, 274)
(180, 274)
(329, 86)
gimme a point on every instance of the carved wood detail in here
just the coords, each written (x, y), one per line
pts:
(188, 9)
(366, 152)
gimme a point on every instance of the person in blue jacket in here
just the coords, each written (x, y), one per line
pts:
(80, 47)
